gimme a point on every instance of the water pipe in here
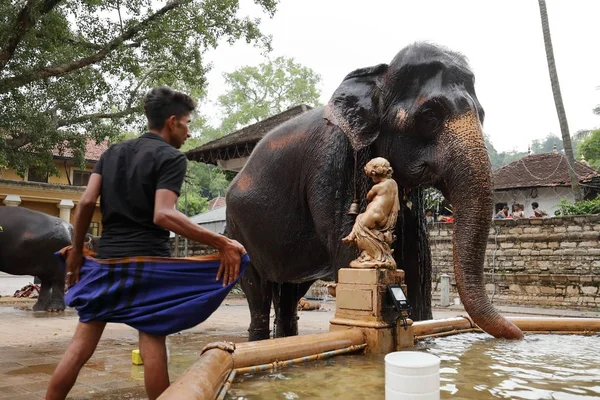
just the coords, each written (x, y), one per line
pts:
(207, 376)
(531, 325)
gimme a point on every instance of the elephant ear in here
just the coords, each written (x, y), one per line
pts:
(354, 106)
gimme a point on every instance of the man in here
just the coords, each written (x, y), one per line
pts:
(139, 182)
(537, 212)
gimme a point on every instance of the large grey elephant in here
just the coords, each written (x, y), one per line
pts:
(28, 241)
(288, 206)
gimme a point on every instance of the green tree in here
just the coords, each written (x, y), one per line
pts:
(560, 109)
(258, 92)
(590, 148)
(69, 68)
(547, 144)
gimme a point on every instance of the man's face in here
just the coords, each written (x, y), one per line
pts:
(179, 129)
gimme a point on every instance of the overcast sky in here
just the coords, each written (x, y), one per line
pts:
(502, 40)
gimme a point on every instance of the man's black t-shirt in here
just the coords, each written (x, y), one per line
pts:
(132, 172)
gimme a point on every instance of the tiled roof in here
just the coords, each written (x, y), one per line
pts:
(541, 170)
(248, 136)
(216, 203)
(93, 150)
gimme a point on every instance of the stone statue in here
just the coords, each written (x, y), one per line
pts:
(373, 230)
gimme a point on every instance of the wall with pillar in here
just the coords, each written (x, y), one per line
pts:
(45, 198)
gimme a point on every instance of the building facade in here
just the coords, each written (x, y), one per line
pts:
(58, 194)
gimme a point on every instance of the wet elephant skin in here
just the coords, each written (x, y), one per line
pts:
(288, 205)
(28, 241)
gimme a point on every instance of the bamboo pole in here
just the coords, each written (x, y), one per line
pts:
(314, 357)
(533, 324)
(432, 326)
(271, 350)
(227, 385)
(203, 380)
(447, 333)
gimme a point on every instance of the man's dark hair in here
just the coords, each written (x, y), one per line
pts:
(535, 204)
(162, 102)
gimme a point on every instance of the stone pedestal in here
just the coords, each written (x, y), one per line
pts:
(361, 301)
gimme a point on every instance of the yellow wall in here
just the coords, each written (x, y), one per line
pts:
(44, 198)
(47, 208)
(10, 174)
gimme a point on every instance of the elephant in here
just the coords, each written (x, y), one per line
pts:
(28, 241)
(288, 205)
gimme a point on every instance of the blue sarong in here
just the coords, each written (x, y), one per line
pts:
(155, 295)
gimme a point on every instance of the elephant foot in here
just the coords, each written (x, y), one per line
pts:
(56, 306)
(258, 334)
(40, 305)
(289, 328)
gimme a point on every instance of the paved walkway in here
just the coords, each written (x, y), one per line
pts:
(31, 344)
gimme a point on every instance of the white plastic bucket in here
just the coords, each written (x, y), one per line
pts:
(412, 375)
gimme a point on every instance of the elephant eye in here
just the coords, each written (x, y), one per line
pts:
(430, 118)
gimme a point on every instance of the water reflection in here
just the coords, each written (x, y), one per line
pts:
(473, 366)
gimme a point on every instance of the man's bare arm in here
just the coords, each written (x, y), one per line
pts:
(167, 217)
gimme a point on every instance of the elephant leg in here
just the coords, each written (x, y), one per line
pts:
(57, 299)
(258, 292)
(285, 299)
(45, 294)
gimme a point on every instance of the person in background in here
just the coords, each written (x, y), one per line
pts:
(501, 214)
(537, 213)
(429, 216)
(518, 211)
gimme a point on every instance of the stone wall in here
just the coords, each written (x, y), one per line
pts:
(553, 262)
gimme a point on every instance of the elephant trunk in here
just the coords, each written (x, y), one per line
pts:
(468, 185)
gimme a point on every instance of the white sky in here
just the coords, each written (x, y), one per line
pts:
(502, 40)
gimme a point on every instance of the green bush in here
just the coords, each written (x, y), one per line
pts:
(565, 207)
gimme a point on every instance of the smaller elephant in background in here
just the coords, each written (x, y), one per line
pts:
(28, 241)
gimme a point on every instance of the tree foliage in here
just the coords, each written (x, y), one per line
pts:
(547, 144)
(537, 146)
(258, 92)
(254, 93)
(80, 67)
(590, 149)
(565, 207)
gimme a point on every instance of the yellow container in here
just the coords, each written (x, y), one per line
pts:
(136, 357)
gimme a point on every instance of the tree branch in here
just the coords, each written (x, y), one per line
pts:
(140, 82)
(87, 117)
(27, 18)
(59, 70)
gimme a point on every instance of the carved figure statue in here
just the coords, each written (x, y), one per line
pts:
(373, 231)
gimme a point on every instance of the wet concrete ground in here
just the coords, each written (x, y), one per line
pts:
(31, 344)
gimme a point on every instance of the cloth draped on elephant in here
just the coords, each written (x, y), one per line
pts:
(155, 295)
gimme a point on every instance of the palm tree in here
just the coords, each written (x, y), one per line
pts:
(560, 109)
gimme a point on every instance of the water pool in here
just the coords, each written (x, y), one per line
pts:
(473, 366)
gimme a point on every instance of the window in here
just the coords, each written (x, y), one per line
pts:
(81, 178)
(37, 174)
(94, 228)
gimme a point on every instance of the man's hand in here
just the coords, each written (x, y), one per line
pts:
(74, 261)
(231, 255)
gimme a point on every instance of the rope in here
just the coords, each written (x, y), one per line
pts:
(537, 177)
